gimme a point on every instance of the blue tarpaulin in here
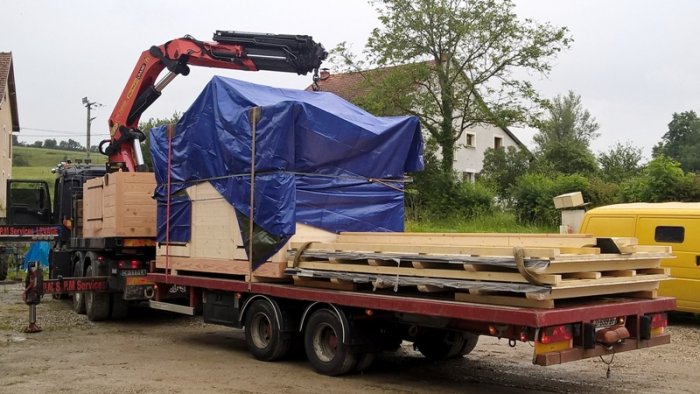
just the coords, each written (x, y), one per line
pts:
(38, 251)
(319, 160)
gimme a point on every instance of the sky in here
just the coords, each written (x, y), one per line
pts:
(634, 62)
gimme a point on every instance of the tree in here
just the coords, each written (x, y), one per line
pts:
(621, 162)
(662, 179)
(15, 141)
(458, 61)
(146, 128)
(50, 143)
(502, 167)
(38, 144)
(564, 136)
(682, 141)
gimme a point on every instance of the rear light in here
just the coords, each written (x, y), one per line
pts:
(659, 322)
(133, 264)
(554, 339)
(555, 334)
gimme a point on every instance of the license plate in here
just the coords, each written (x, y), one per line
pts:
(607, 322)
(141, 272)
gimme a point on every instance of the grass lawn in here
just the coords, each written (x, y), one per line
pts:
(497, 222)
(42, 160)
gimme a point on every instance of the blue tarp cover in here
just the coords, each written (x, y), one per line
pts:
(38, 251)
(317, 159)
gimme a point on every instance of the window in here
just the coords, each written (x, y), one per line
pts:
(497, 142)
(471, 140)
(672, 234)
(468, 177)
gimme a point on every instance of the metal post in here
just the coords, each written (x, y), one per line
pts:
(89, 104)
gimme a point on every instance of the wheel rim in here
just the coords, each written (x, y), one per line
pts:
(261, 331)
(325, 342)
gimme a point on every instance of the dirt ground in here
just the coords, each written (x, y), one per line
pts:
(154, 352)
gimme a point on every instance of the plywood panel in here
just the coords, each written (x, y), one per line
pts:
(120, 205)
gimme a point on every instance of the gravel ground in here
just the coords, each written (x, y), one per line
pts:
(154, 352)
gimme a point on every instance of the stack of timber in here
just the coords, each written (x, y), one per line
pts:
(119, 205)
(529, 270)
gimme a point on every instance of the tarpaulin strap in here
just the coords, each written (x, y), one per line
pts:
(519, 255)
(254, 117)
(167, 203)
(383, 181)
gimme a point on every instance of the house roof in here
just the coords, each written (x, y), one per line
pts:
(349, 86)
(7, 84)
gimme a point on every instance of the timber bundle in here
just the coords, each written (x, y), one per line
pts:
(527, 270)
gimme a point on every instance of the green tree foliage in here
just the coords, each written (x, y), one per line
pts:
(682, 141)
(146, 128)
(534, 195)
(435, 195)
(458, 61)
(502, 167)
(621, 162)
(564, 136)
(662, 179)
(50, 143)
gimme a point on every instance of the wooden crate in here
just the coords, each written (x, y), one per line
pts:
(215, 243)
(119, 205)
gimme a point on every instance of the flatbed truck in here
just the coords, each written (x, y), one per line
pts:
(340, 331)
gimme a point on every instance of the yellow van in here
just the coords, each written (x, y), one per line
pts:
(672, 224)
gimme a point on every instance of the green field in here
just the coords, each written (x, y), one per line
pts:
(42, 160)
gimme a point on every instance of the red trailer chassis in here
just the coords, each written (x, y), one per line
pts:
(644, 319)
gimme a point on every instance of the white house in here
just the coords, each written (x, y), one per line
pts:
(9, 123)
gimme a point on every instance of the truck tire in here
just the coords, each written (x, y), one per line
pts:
(262, 334)
(78, 298)
(3, 267)
(119, 308)
(324, 347)
(470, 341)
(365, 361)
(437, 344)
(96, 304)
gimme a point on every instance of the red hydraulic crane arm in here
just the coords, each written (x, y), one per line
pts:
(232, 50)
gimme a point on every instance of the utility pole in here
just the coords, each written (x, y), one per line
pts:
(89, 105)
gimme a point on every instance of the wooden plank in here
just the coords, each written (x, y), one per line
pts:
(504, 300)
(429, 273)
(481, 239)
(577, 283)
(621, 273)
(646, 249)
(610, 265)
(612, 288)
(388, 249)
(324, 284)
(229, 267)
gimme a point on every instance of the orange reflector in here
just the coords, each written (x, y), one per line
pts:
(541, 348)
(655, 332)
(369, 312)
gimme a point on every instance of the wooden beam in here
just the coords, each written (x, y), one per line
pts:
(504, 300)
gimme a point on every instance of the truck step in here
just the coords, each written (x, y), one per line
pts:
(166, 306)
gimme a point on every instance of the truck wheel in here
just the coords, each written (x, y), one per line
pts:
(441, 344)
(120, 307)
(3, 267)
(324, 347)
(365, 361)
(470, 341)
(78, 298)
(262, 334)
(96, 304)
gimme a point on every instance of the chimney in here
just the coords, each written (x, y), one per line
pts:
(325, 74)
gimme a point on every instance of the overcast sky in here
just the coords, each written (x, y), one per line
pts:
(634, 62)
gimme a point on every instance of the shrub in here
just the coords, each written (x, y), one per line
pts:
(534, 195)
